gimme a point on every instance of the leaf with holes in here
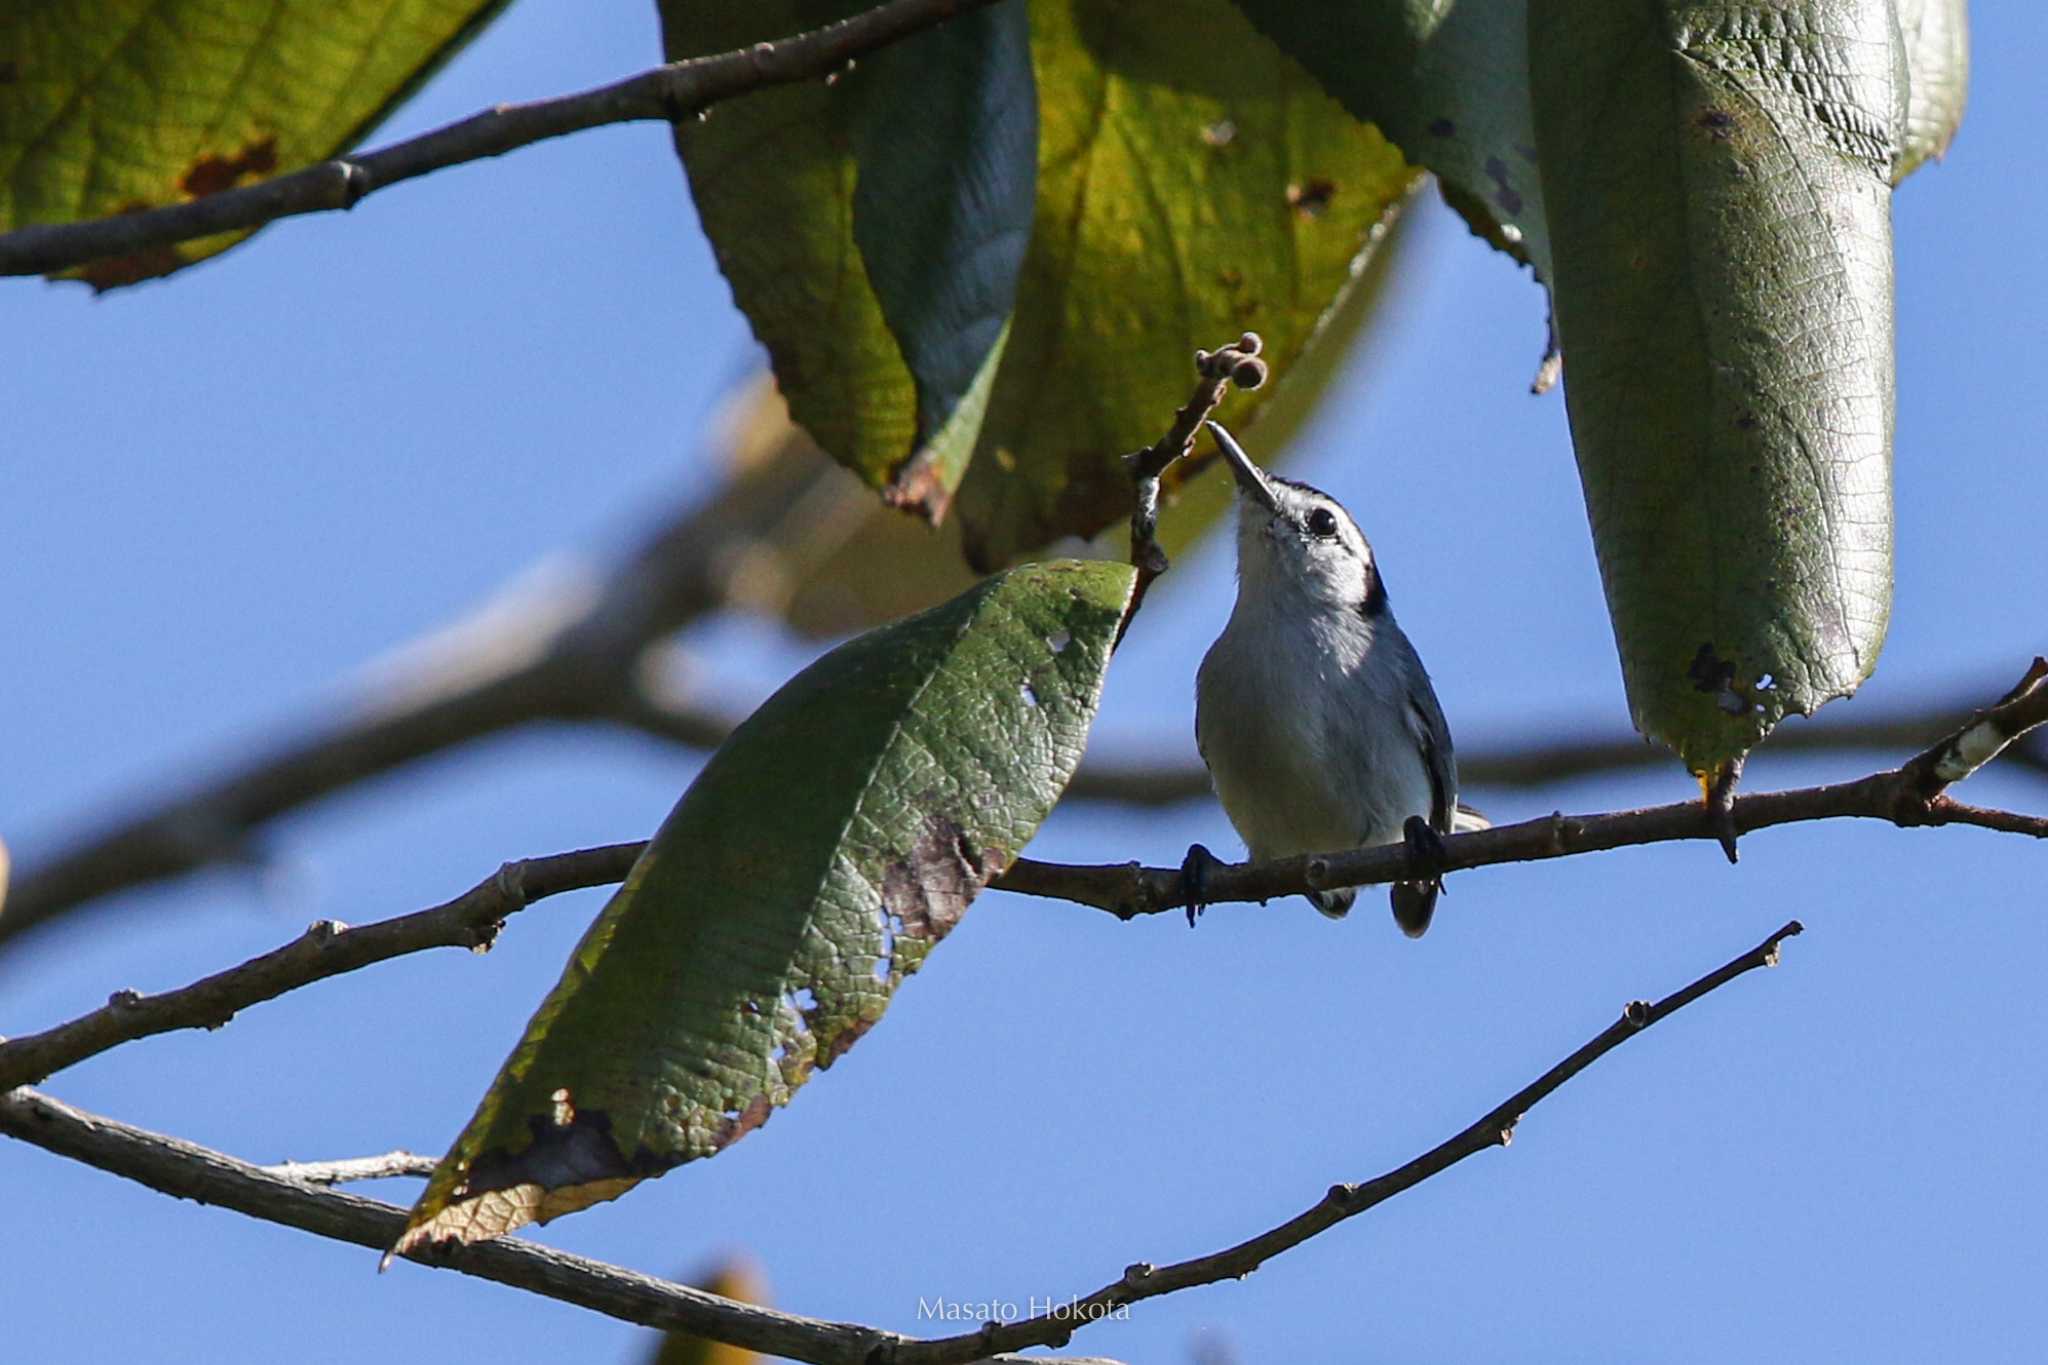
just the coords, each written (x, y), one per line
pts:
(109, 106)
(872, 227)
(826, 847)
(1719, 183)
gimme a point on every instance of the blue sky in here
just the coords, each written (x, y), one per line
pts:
(230, 491)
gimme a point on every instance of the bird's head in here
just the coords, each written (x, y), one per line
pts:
(1296, 540)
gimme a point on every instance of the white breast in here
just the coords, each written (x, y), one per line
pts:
(1310, 749)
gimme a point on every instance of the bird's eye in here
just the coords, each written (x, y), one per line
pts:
(1322, 522)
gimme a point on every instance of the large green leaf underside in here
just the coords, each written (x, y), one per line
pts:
(872, 228)
(1718, 183)
(109, 106)
(1192, 182)
(827, 846)
(1448, 81)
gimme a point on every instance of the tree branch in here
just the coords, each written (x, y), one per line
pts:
(328, 948)
(668, 93)
(384, 1167)
(1909, 795)
(186, 1170)
(189, 1171)
(1239, 364)
(1494, 1129)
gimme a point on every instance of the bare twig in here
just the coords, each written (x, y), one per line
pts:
(1237, 363)
(1909, 795)
(341, 1172)
(1128, 889)
(1955, 756)
(327, 949)
(188, 1171)
(668, 93)
(1494, 1129)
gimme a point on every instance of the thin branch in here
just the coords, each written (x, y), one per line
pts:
(1494, 1129)
(327, 949)
(1910, 795)
(1237, 363)
(186, 1170)
(669, 94)
(1127, 889)
(385, 1167)
(189, 1171)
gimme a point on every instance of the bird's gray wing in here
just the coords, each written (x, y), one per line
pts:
(1433, 736)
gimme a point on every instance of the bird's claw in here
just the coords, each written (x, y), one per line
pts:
(1194, 879)
(1425, 848)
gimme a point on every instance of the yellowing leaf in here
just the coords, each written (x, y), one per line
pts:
(108, 106)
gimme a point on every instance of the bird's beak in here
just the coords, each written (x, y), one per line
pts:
(1251, 480)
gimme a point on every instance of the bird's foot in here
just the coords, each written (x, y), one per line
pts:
(1415, 901)
(1194, 879)
(1425, 848)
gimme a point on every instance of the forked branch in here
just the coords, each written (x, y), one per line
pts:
(1915, 793)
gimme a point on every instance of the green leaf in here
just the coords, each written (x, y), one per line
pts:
(1448, 82)
(1718, 184)
(1192, 182)
(946, 136)
(1936, 38)
(109, 106)
(872, 229)
(827, 846)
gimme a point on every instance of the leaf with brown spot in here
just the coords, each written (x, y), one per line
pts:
(1193, 182)
(1718, 185)
(112, 105)
(833, 840)
(212, 174)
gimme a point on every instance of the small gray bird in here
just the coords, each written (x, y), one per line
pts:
(1312, 710)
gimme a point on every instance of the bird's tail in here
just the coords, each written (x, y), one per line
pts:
(1464, 820)
(1414, 903)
